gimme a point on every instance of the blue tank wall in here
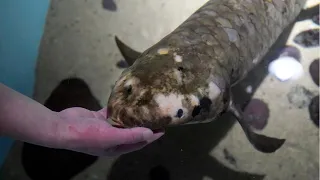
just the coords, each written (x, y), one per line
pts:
(21, 27)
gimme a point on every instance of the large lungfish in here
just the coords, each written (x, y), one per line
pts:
(186, 77)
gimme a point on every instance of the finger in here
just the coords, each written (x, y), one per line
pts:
(76, 112)
(125, 148)
(98, 115)
(155, 137)
(131, 136)
(82, 112)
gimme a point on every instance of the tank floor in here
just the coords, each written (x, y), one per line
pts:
(79, 42)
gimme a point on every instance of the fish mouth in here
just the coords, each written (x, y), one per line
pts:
(114, 123)
(122, 116)
(118, 125)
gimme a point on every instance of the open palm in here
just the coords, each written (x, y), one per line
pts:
(88, 132)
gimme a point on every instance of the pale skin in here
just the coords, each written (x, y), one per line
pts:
(75, 129)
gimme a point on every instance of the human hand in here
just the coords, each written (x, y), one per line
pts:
(87, 132)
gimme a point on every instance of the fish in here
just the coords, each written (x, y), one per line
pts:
(186, 77)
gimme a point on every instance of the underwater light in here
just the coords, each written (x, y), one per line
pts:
(286, 68)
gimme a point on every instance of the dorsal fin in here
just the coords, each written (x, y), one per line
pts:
(128, 53)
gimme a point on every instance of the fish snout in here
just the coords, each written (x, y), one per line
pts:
(123, 116)
(129, 117)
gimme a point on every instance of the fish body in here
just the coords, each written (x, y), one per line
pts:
(186, 77)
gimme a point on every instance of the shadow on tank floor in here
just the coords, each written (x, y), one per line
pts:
(217, 150)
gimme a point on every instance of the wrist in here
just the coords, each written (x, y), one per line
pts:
(54, 134)
(24, 119)
(42, 132)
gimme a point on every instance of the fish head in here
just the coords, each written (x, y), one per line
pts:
(156, 92)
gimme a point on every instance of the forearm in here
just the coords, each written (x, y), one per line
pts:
(24, 119)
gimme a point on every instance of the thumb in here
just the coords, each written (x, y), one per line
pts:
(131, 136)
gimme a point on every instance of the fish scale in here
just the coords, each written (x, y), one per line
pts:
(186, 77)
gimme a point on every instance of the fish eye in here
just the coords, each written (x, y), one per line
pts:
(180, 68)
(179, 113)
(129, 89)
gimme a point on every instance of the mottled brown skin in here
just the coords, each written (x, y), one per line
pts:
(219, 43)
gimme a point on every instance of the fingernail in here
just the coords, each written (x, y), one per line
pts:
(158, 135)
(147, 134)
(155, 137)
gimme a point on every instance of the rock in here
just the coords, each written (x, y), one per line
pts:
(315, 19)
(109, 5)
(256, 114)
(314, 71)
(299, 96)
(291, 51)
(314, 110)
(122, 64)
(229, 157)
(308, 38)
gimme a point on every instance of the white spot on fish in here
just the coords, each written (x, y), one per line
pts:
(163, 51)
(121, 80)
(178, 76)
(129, 82)
(249, 89)
(255, 60)
(209, 12)
(143, 92)
(170, 104)
(145, 110)
(232, 34)
(209, 39)
(194, 100)
(177, 57)
(200, 90)
(129, 110)
(224, 22)
(214, 90)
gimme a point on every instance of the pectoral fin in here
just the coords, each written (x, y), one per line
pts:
(260, 142)
(128, 53)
